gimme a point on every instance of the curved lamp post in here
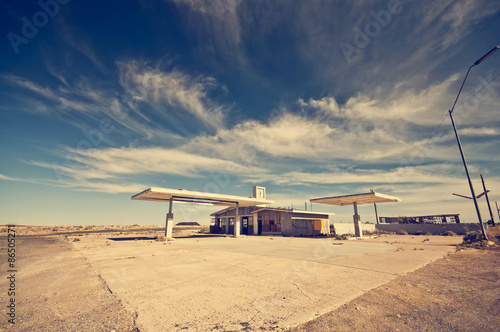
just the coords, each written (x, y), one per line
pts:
(458, 139)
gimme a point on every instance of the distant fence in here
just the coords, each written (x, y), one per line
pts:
(434, 229)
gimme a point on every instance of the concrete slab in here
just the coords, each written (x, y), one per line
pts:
(201, 284)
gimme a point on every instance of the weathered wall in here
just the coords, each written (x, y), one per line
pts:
(326, 226)
(348, 228)
(434, 229)
(303, 227)
(286, 224)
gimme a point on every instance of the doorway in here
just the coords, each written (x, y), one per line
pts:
(244, 225)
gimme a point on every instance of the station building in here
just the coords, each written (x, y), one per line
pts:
(257, 220)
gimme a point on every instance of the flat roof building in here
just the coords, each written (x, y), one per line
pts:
(257, 220)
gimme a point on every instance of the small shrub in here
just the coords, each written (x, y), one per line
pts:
(473, 237)
(370, 233)
(341, 237)
(204, 230)
(403, 232)
(76, 239)
(450, 233)
(161, 238)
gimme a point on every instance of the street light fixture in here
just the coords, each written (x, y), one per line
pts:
(458, 139)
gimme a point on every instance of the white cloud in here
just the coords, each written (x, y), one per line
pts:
(149, 97)
(313, 137)
(8, 178)
(424, 107)
(461, 15)
(432, 173)
(364, 128)
(105, 187)
(484, 131)
(287, 136)
(129, 161)
(172, 94)
(114, 170)
(80, 183)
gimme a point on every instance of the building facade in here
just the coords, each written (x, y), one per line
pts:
(255, 220)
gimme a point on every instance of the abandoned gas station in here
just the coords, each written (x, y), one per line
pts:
(254, 216)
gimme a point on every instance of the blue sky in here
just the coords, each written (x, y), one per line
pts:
(101, 100)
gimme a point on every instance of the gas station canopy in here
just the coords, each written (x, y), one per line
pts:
(196, 197)
(368, 198)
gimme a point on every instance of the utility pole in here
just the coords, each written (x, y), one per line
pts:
(488, 201)
(496, 48)
(498, 210)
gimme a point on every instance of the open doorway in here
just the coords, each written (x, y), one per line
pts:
(244, 225)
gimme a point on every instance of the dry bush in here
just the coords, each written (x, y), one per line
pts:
(494, 234)
(474, 239)
(204, 229)
(374, 232)
(161, 238)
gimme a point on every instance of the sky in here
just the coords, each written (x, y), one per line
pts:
(102, 100)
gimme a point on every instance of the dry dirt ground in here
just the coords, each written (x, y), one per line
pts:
(57, 290)
(460, 292)
(60, 291)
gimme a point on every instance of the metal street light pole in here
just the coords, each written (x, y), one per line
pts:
(488, 201)
(460, 145)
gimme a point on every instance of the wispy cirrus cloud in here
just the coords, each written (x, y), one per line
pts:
(115, 168)
(482, 131)
(8, 178)
(395, 51)
(437, 173)
(171, 94)
(461, 15)
(147, 99)
(217, 27)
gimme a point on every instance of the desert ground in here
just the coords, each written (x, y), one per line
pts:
(119, 278)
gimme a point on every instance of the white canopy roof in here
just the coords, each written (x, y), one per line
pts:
(367, 198)
(180, 195)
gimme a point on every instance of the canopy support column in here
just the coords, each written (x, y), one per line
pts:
(237, 223)
(170, 220)
(357, 229)
(376, 213)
